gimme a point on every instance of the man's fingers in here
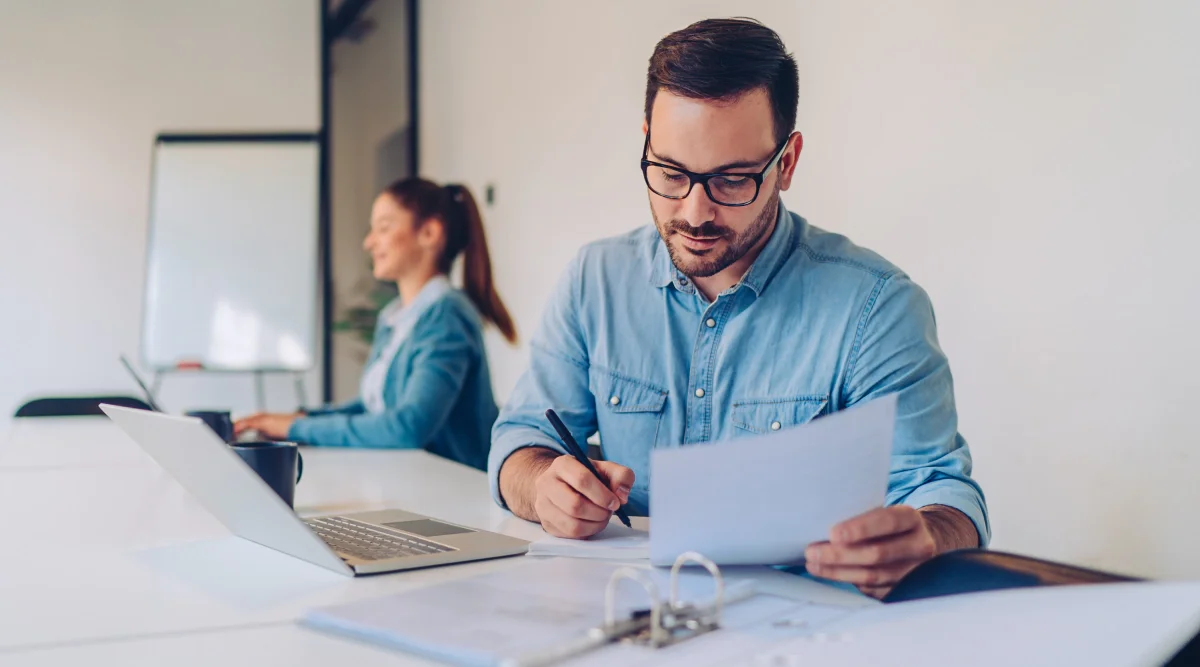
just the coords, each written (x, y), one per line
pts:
(576, 529)
(620, 479)
(879, 522)
(558, 524)
(876, 592)
(913, 545)
(582, 480)
(573, 504)
(881, 576)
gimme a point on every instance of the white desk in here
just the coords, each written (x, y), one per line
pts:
(106, 560)
(103, 548)
(284, 644)
(69, 442)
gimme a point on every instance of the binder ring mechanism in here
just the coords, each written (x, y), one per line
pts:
(662, 624)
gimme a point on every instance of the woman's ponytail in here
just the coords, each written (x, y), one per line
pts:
(464, 233)
(463, 227)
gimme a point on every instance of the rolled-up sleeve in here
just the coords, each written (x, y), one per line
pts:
(896, 351)
(557, 378)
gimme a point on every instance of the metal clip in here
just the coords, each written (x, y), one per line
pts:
(663, 624)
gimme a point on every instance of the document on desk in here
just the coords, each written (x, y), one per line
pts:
(1117, 625)
(616, 542)
(519, 611)
(504, 617)
(762, 500)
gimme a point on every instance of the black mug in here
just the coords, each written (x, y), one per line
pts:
(218, 420)
(279, 464)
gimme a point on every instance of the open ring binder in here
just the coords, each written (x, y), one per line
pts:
(663, 623)
(667, 623)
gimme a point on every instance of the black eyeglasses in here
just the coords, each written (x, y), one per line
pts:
(726, 189)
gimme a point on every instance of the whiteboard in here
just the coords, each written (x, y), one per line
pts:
(232, 279)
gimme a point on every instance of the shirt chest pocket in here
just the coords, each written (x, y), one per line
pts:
(766, 415)
(628, 411)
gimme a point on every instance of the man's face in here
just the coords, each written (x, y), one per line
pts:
(706, 136)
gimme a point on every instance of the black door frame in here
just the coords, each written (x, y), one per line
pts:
(332, 26)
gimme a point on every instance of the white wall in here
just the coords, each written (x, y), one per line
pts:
(84, 88)
(369, 99)
(1032, 163)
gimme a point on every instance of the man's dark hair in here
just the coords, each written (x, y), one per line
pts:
(720, 59)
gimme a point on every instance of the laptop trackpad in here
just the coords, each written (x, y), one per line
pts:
(428, 528)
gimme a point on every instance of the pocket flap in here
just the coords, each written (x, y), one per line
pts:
(623, 394)
(775, 414)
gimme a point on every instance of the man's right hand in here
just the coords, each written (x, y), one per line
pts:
(561, 494)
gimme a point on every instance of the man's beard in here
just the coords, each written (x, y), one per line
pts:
(703, 264)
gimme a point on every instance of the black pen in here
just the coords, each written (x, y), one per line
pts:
(574, 450)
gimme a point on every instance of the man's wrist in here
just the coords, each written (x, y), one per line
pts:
(951, 529)
(518, 478)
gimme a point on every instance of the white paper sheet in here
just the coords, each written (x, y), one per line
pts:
(616, 542)
(763, 500)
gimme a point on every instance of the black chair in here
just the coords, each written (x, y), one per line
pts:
(75, 406)
(971, 570)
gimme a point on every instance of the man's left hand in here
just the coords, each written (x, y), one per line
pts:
(269, 425)
(874, 550)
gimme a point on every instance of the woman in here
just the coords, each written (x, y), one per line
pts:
(426, 383)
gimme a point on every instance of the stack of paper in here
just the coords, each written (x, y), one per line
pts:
(613, 543)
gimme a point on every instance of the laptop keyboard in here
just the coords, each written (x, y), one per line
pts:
(368, 542)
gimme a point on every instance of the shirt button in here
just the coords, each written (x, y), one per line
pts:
(711, 323)
(699, 393)
(682, 280)
(615, 400)
(775, 426)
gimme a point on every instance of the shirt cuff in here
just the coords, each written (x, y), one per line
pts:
(959, 495)
(504, 446)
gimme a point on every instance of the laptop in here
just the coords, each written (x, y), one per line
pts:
(351, 544)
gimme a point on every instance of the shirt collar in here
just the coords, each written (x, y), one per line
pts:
(777, 251)
(770, 258)
(662, 269)
(396, 312)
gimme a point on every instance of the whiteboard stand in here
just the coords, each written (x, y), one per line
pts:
(260, 392)
(301, 395)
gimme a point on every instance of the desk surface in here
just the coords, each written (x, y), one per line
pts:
(108, 561)
(104, 548)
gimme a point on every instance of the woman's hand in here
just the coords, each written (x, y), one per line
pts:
(271, 426)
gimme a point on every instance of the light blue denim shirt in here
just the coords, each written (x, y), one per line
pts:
(437, 393)
(629, 348)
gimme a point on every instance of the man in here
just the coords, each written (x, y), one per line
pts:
(732, 316)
